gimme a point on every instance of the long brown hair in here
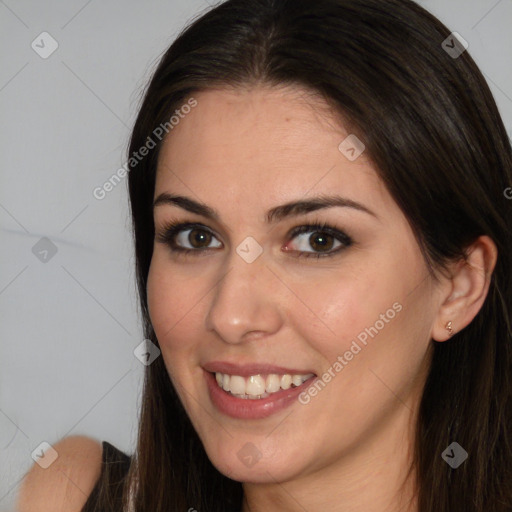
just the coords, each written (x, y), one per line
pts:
(434, 133)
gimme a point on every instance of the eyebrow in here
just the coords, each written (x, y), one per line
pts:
(275, 214)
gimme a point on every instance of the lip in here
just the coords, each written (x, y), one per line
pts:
(252, 409)
(246, 370)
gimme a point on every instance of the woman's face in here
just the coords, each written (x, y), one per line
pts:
(247, 300)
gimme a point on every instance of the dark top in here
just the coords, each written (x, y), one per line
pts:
(114, 467)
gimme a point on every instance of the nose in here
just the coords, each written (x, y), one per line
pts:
(246, 301)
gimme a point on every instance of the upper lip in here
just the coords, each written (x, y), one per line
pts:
(246, 370)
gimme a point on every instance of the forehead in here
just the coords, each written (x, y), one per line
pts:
(262, 146)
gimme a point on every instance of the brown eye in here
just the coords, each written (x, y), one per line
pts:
(321, 241)
(321, 238)
(199, 238)
(194, 238)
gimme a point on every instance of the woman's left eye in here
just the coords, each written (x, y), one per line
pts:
(321, 237)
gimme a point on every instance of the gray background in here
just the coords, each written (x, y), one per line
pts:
(69, 324)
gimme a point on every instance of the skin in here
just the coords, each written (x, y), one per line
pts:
(243, 152)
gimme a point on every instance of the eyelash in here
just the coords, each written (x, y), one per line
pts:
(171, 229)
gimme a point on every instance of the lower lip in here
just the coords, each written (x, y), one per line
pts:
(252, 409)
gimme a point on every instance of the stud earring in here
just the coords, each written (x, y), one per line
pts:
(449, 327)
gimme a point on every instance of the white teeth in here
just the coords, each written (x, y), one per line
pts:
(255, 385)
(296, 380)
(286, 381)
(237, 385)
(273, 383)
(225, 382)
(258, 386)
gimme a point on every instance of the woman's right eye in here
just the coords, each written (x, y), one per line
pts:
(177, 236)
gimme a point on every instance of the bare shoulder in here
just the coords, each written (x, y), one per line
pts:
(67, 483)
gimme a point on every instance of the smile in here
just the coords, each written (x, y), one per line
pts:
(256, 387)
(246, 397)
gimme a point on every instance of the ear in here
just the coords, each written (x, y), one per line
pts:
(465, 290)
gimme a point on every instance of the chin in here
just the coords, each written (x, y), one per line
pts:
(245, 463)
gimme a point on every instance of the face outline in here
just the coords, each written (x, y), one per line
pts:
(280, 309)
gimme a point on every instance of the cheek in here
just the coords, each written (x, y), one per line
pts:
(345, 303)
(172, 304)
(374, 308)
(172, 317)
